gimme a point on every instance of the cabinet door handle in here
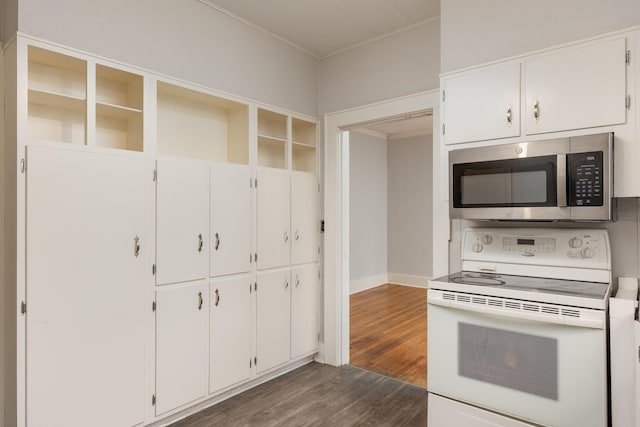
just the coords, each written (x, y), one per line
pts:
(136, 246)
(217, 298)
(297, 236)
(200, 301)
(286, 236)
(286, 283)
(509, 115)
(217, 241)
(200, 242)
(297, 281)
(536, 110)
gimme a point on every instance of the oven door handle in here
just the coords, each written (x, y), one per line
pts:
(561, 180)
(538, 317)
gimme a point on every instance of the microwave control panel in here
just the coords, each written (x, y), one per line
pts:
(585, 184)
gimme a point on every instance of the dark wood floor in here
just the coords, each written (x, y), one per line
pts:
(320, 395)
(389, 332)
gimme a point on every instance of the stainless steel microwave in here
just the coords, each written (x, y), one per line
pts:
(557, 179)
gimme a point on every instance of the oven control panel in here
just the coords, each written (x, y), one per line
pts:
(537, 246)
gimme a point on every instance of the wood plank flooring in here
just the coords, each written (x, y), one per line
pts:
(389, 332)
(320, 395)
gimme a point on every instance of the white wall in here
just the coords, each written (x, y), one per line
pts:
(410, 206)
(368, 210)
(8, 19)
(475, 32)
(401, 64)
(183, 39)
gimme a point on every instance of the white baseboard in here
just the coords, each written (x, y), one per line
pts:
(360, 285)
(408, 280)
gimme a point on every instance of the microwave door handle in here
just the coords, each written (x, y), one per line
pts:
(561, 180)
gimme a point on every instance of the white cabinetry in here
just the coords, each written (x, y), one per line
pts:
(576, 87)
(304, 217)
(305, 294)
(273, 218)
(230, 332)
(230, 219)
(182, 344)
(273, 320)
(482, 104)
(85, 281)
(182, 221)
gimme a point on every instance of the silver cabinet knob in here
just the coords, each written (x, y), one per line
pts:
(200, 242)
(286, 236)
(136, 246)
(536, 110)
(509, 115)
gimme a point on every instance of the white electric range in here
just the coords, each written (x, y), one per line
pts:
(519, 336)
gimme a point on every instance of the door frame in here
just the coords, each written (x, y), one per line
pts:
(335, 349)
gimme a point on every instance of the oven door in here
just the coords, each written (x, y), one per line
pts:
(547, 373)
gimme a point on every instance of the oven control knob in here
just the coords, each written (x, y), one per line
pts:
(587, 253)
(487, 239)
(477, 247)
(575, 242)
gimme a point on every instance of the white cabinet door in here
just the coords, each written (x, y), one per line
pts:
(576, 87)
(230, 219)
(274, 218)
(482, 104)
(85, 288)
(182, 221)
(182, 344)
(304, 218)
(305, 297)
(273, 318)
(230, 332)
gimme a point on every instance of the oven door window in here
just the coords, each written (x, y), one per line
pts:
(518, 361)
(528, 182)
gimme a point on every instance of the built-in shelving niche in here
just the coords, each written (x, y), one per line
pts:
(119, 101)
(200, 126)
(303, 154)
(272, 139)
(57, 97)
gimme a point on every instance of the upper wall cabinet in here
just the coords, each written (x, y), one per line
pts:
(482, 104)
(576, 87)
(201, 126)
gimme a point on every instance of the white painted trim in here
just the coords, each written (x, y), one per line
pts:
(370, 132)
(408, 280)
(409, 134)
(366, 283)
(336, 200)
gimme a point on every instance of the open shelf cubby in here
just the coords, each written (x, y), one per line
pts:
(119, 101)
(197, 125)
(272, 139)
(57, 97)
(303, 155)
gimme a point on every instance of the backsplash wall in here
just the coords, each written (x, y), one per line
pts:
(623, 234)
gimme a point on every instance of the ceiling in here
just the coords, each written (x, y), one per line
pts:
(322, 28)
(400, 127)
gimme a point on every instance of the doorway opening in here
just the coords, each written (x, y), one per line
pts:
(390, 241)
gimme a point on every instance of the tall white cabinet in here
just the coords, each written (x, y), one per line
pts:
(154, 228)
(85, 282)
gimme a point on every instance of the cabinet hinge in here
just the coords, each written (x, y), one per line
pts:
(443, 128)
(153, 270)
(155, 175)
(255, 257)
(627, 57)
(318, 336)
(256, 183)
(443, 96)
(250, 258)
(153, 306)
(153, 399)
(250, 364)
(255, 361)
(628, 102)
(23, 165)
(250, 288)
(322, 226)
(23, 308)
(255, 286)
